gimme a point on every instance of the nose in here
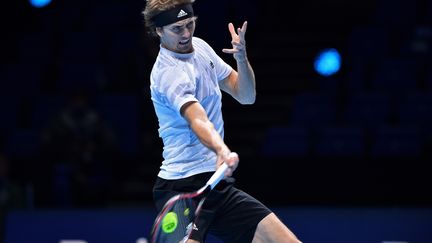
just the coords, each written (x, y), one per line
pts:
(186, 33)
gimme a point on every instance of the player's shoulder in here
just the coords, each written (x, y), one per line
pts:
(170, 71)
(198, 42)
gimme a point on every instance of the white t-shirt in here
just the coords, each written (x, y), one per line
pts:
(175, 80)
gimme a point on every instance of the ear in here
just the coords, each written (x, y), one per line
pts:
(159, 31)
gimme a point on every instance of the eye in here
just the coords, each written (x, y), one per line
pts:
(190, 25)
(176, 28)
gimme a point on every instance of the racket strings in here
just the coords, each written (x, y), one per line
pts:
(183, 210)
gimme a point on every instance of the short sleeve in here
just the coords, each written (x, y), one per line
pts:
(177, 87)
(221, 68)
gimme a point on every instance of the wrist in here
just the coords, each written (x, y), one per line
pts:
(241, 59)
(241, 56)
(224, 151)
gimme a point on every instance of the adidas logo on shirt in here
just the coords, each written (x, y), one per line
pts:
(181, 13)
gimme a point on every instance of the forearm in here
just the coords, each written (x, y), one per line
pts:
(245, 85)
(208, 136)
(197, 118)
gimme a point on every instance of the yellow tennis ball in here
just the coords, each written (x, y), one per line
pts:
(169, 222)
(186, 212)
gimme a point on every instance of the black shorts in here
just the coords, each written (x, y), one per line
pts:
(228, 213)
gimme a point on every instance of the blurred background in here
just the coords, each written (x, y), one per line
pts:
(342, 118)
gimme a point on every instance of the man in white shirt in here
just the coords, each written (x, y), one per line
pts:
(186, 83)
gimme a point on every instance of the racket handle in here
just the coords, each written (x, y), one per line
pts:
(217, 176)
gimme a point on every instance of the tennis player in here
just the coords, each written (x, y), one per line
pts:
(186, 83)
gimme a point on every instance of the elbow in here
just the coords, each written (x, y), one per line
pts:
(250, 100)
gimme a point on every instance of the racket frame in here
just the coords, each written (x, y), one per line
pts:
(203, 191)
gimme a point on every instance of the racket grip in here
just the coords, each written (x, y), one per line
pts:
(217, 176)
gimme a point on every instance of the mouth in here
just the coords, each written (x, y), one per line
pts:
(184, 42)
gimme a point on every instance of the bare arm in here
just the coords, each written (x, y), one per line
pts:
(240, 84)
(197, 118)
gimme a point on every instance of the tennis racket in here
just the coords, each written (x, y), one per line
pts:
(175, 222)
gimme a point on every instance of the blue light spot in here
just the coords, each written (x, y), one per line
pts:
(39, 3)
(328, 62)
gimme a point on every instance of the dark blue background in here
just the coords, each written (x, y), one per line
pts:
(312, 225)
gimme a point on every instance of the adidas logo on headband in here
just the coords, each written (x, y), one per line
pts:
(181, 13)
(173, 15)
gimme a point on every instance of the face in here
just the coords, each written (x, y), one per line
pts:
(177, 37)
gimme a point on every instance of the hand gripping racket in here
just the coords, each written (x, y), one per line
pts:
(175, 222)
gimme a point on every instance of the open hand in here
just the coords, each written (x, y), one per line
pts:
(238, 42)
